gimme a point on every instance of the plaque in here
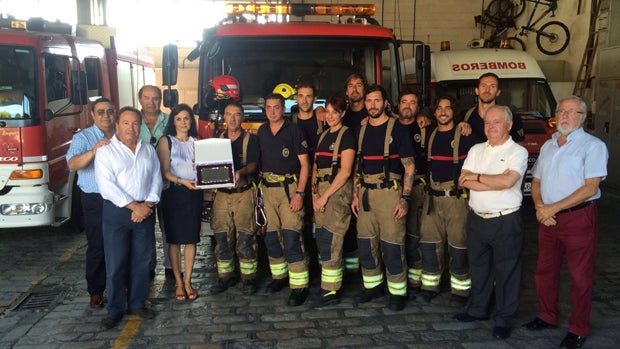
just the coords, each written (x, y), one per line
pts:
(213, 164)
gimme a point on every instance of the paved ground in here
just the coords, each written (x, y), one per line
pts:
(43, 304)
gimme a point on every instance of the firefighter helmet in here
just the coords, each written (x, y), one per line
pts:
(287, 91)
(226, 87)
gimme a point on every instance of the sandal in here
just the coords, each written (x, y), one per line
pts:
(180, 295)
(191, 293)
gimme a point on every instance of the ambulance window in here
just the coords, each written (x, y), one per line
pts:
(93, 76)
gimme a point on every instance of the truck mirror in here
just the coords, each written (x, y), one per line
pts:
(423, 70)
(79, 92)
(170, 65)
(171, 98)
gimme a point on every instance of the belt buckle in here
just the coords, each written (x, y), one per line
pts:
(446, 192)
(378, 186)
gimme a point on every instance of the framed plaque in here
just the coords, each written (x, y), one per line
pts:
(213, 164)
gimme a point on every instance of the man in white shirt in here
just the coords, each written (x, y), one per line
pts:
(493, 171)
(127, 173)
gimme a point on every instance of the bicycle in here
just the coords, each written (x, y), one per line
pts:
(500, 21)
(551, 38)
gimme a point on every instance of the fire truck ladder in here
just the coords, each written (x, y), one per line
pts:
(587, 61)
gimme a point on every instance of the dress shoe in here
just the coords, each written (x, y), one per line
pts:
(327, 298)
(397, 303)
(110, 321)
(298, 297)
(249, 287)
(223, 284)
(459, 301)
(500, 332)
(277, 285)
(538, 324)
(428, 295)
(96, 301)
(369, 294)
(572, 341)
(465, 317)
(144, 313)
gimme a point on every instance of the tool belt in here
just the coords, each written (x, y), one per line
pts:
(385, 184)
(235, 190)
(459, 193)
(271, 180)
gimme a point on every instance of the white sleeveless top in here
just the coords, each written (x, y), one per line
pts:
(182, 158)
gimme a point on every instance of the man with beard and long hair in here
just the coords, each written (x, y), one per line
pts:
(444, 213)
(565, 189)
(384, 180)
(487, 91)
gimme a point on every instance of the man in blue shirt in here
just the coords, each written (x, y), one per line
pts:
(80, 157)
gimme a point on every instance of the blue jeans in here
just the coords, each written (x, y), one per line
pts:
(128, 247)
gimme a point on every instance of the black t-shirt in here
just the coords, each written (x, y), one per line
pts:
(477, 126)
(325, 150)
(253, 150)
(441, 166)
(310, 127)
(415, 135)
(372, 148)
(353, 119)
(278, 153)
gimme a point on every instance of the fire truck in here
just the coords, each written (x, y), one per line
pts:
(262, 47)
(47, 79)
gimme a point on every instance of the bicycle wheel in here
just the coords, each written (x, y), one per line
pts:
(515, 43)
(552, 38)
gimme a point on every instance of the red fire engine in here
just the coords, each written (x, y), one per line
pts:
(47, 78)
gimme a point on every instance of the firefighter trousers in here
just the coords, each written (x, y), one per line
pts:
(234, 229)
(412, 239)
(284, 238)
(446, 224)
(381, 240)
(331, 228)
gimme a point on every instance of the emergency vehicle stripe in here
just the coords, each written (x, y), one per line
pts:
(372, 281)
(299, 278)
(278, 269)
(431, 279)
(248, 268)
(414, 274)
(459, 284)
(331, 275)
(397, 288)
(225, 267)
(380, 157)
(447, 158)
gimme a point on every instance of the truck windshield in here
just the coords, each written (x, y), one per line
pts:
(525, 97)
(17, 83)
(260, 64)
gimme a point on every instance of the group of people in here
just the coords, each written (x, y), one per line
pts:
(390, 192)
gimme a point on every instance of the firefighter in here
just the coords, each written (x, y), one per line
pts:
(284, 175)
(385, 170)
(331, 196)
(310, 121)
(445, 209)
(233, 221)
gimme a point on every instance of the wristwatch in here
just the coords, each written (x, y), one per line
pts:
(301, 193)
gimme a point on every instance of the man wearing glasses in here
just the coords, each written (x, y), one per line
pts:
(152, 128)
(565, 189)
